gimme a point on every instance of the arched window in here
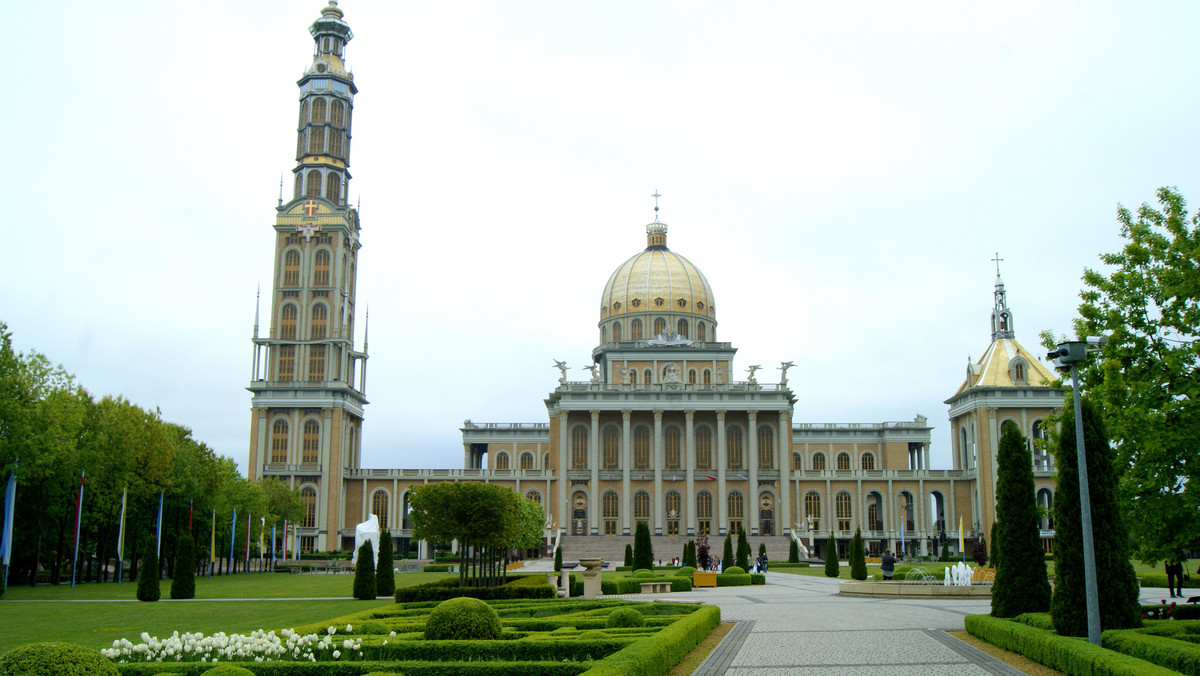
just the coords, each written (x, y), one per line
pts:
(336, 110)
(534, 495)
(318, 110)
(321, 267)
(299, 175)
(610, 508)
(641, 447)
(766, 447)
(287, 362)
(671, 447)
(287, 322)
(312, 185)
(841, 505)
(1045, 503)
(703, 443)
(818, 461)
(320, 322)
(635, 329)
(546, 461)
(291, 268)
(660, 326)
(737, 510)
(812, 507)
(379, 507)
(873, 522)
(501, 461)
(707, 377)
(647, 377)
(691, 376)
(617, 332)
(641, 506)
(1009, 424)
(1019, 372)
(527, 460)
(704, 512)
(632, 376)
(316, 363)
(279, 442)
(316, 143)
(797, 460)
(733, 447)
(579, 447)
(867, 461)
(843, 460)
(333, 187)
(308, 495)
(303, 112)
(312, 442)
(673, 505)
(603, 334)
(611, 443)
(681, 327)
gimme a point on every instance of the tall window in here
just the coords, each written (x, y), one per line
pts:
(316, 363)
(660, 326)
(818, 461)
(700, 332)
(316, 142)
(287, 362)
(812, 507)
(691, 376)
(671, 447)
(308, 495)
(766, 447)
(527, 460)
(611, 444)
(335, 145)
(632, 375)
(797, 461)
(501, 461)
(681, 328)
(610, 508)
(703, 447)
(579, 447)
(379, 507)
(737, 511)
(312, 183)
(868, 461)
(673, 504)
(617, 333)
(291, 268)
(335, 112)
(312, 442)
(641, 448)
(333, 185)
(841, 505)
(287, 322)
(635, 329)
(279, 442)
(318, 110)
(843, 461)
(707, 377)
(733, 447)
(320, 321)
(873, 522)
(641, 506)
(703, 512)
(304, 112)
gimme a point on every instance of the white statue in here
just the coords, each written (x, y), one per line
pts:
(672, 374)
(721, 371)
(784, 366)
(368, 531)
(562, 368)
(595, 371)
(752, 370)
(623, 373)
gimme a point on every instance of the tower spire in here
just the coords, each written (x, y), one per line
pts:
(656, 232)
(1002, 321)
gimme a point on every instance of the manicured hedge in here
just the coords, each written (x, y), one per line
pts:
(441, 593)
(1161, 649)
(733, 579)
(785, 564)
(1037, 620)
(633, 585)
(1068, 655)
(650, 658)
(758, 578)
(436, 568)
(466, 668)
(1153, 579)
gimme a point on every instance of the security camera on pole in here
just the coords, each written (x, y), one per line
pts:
(1067, 357)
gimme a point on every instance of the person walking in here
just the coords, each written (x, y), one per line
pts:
(1175, 576)
(888, 564)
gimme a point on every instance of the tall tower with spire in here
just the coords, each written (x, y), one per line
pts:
(308, 381)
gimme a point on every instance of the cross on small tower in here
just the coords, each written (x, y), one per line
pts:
(310, 208)
(997, 259)
(656, 196)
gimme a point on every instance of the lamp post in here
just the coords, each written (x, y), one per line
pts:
(1066, 358)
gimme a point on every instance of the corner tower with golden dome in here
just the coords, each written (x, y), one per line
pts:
(308, 380)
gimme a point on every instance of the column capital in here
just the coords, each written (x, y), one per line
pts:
(658, 415)
(626, 414)
(753, 415)
(595, 415)
(689, 415)
(721, 415)
(562, 415)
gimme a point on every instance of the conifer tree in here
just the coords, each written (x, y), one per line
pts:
(643, 551)
(743, 550)
(832, 567)
(147, 587)
(629, 555)
(1022, 585)
(727, 553)
(858, 558)
(945, 556)
(995, 553)
(364, 572)
(794, 553)
(558, 559)
(385, 570)
(762, 549)
(1116, 583)
(183, 583)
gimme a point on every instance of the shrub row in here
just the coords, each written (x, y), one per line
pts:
(441, 593)
(1153, 580)
(436, 568)
(633, 585)
(1068, 655)
(785, 564)
(466, 668)
(653, 657)
(1164, 651)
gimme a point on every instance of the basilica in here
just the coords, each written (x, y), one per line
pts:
(667, 430)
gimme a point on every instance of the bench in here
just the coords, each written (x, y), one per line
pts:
(656, 587)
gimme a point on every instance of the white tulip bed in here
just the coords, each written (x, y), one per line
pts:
(258, 646)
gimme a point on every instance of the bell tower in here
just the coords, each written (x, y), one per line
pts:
(308, 381)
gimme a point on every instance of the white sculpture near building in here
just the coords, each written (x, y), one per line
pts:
(367, 530)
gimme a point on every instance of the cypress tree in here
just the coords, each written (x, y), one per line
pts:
(183, 584)
(1022, 585)
(727, 553)
(832, 567)
(794, 553)
(364, 572)
(945, 556)
(743, 550)
(643, 551)
(762, 549)
(858, 558)
(683, 557)
(1116, 583)
(385, 569)
(558, 559)
(147, 587)
(629, 555)
(995, 550)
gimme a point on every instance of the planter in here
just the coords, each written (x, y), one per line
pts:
(702, 579)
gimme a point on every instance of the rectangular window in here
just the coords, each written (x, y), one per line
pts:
(287, 362)
(316, 363)
(307, 543)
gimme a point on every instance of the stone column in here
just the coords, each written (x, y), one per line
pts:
(688, 503)
(626, 499)
(925, 456)
(722, 505)
(594, 464)
(752, 466)
(564, 508)
(657, 517)
(783, 511)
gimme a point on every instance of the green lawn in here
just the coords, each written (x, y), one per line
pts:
(109, 612)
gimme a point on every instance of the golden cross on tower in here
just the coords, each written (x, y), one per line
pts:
(997, 259)
(656, 196)
(310, 208)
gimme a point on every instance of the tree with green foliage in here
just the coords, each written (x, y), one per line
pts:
(762, 549)
(364, 572)
(794, 552)
(994, 552)
(147, 584)
(385, 567)
(643, 551)
(857, 556)
(743, 550)
(629, 555)
(183, 581)
(558, 559)
(727, 553)
(1146, 379)
(832, 567)
(1022, 585)
(1116, 585)
(945, 555)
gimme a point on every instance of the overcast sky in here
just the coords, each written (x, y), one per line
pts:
(843, 174)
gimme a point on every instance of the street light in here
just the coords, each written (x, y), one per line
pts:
(1066, 358)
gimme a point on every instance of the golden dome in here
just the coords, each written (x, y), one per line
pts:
(657, 291)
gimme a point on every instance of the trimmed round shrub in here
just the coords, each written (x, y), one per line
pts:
(593, 635)
(642, 572)
(735, 570)
(463, 618)
(625, 617)
(228, 670)
(372, 627)
(686, 571)
(55, 659)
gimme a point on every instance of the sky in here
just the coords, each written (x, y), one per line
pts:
(842, 173)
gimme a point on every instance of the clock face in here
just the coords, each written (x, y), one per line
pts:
(580, 501)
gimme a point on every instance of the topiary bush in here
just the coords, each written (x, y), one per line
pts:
(372, 627)
(735, 570)
(385, 568)
(629, 555)
(686, 571)
(183, 583)
(858, 558)
(462, 619)
(593, 635)
(832, 567)
(642, 572)
(558, 559)
(147, 584)
(794, 553)
(643, 550)
(364, 572)
(55, 659)
(625, 617)
(228, 670)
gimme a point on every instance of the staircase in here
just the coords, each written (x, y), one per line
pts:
(611, 548)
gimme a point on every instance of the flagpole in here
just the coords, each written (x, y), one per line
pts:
(285, 539)
(247, 565)
(78, 519)
(232, 535)
(10, 508)
(212, 545)
(121, 535)
(262, 520)
(158, 528)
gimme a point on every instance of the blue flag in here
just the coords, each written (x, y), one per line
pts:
(10, 508)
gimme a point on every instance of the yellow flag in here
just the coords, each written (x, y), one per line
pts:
(961, 548)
